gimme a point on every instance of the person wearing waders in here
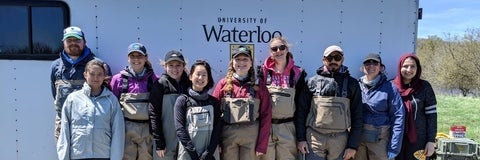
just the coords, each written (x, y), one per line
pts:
(383, 113)
(67, 71)
(163, 95)
(330, 125)
(284, 81)
(197, 117)
(132, 87)
(247, 110)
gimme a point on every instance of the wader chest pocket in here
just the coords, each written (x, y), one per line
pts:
(239, 110)
(199, 117)
(135, 105)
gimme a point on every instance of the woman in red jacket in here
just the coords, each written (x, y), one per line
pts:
(247, 110)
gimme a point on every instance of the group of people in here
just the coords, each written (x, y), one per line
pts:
(266, 112)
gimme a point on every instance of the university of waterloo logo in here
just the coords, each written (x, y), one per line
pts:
(239, 30)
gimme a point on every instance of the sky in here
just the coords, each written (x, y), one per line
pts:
(443, 17)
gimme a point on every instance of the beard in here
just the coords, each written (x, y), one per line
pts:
(74, 50)
(333, 67)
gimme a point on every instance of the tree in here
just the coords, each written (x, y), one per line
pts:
(452, 64)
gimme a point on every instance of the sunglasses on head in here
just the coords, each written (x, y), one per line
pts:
(334, 57)
(282, 47)
(371, 62)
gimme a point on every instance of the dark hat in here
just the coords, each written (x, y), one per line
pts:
(373, 56)
(174, 55)
(331, 49)
(137, 47)
(72, 31)
(241, 50)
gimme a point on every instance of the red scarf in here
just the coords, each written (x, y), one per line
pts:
(406, 91)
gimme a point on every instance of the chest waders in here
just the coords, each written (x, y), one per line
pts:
(63, 89)
(241, 129)
(135, 107)
(283, 99)
(327, 124)
(199, 121)
(330, 114)
(240, 110)
(168, 126)
(282, 140)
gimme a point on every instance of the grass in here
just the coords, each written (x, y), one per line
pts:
(455, 110)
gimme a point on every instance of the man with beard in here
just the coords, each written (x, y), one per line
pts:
(67, 71)
(329, 126)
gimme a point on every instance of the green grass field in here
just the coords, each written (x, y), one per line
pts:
(456, 110)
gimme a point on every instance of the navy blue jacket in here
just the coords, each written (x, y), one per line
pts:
(383, 105)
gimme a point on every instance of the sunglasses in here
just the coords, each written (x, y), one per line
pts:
(275, 49)
(371, 62)
(334, 57)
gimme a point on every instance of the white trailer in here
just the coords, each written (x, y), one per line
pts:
(201, 29)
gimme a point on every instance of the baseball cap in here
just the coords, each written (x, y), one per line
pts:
(137, 47)
(72, 31)
(241, 50)
(373, 56)
(332, 49)
(174, 55)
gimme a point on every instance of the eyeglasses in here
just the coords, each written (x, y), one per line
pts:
(371, 62)
(275, 49)
(334, 57)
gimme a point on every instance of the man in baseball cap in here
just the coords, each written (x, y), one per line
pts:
(72, 31)
(331, 134)
(67, 70)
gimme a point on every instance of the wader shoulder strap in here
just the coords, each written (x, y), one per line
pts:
(124, 84)
(345, 87)
(150, 82)
(252, 92)
(188, 103)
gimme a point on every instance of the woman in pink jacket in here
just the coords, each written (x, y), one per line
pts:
(284, 81)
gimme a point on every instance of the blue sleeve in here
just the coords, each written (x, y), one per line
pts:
(53, 79)
(397, 114)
